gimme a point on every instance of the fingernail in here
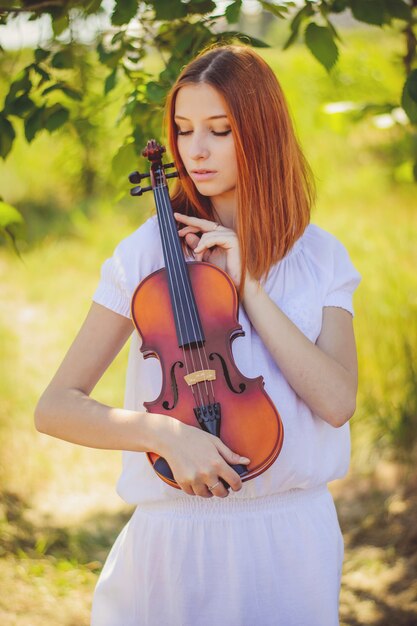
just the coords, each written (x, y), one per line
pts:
(244, 458)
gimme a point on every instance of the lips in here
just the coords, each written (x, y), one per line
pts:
(202, 175)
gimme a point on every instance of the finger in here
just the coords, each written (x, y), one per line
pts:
(228, 473)
(198, 222)
(220, 491)
(222, 239)
(231, 457)
(186, 487)
(188, 229)
(202, 491)
(192, 240)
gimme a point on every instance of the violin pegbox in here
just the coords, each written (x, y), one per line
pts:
(153, 152)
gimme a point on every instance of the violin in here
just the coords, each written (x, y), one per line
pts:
(187, 316)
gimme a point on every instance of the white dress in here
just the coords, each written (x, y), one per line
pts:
(270, 554)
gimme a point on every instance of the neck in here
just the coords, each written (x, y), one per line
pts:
(224, 208)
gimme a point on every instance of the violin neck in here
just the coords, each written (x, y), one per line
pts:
(187, 319)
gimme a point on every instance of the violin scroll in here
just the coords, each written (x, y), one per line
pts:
(153, 152)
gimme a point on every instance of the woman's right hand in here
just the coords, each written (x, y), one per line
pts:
(198, 459)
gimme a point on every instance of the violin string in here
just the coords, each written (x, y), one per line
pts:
(187, 284)
(174, 302)
(201, 352)
(172, 233)
(167, 230)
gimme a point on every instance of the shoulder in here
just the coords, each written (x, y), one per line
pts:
(137, 255)
(333, 265)
(143, 238)
(324, 250)
(320, 241)
(140, 251)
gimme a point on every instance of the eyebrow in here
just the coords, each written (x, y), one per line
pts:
(213, 117)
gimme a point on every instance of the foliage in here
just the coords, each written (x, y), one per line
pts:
(46, 94)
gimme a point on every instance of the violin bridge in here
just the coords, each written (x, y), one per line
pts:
(200, 376)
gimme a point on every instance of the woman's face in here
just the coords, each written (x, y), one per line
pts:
(205, 141)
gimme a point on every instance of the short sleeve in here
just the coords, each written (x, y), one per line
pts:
(344, 281)
(112, 290)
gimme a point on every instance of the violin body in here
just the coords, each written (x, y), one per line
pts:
(248, 423)
(187, 316)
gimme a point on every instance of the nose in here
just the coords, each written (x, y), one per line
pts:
(197, 148)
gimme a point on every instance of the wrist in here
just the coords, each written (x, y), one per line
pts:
(251, 289)
(158, 432)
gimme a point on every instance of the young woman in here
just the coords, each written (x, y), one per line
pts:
(267, 551)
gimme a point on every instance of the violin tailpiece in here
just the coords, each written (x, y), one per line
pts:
(209, 417)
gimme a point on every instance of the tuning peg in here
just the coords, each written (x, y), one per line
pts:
(172, 175)
(136, 177)
(138, 191)
(167, 165)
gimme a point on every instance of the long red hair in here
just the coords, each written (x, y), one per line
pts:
(275, 187)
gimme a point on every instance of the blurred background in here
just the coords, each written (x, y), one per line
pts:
(59, 513)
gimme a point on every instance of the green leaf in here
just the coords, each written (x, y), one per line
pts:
(291, 39)
(398, 9)
(279, 10)
(155, 91)
(124, 11)
(332, 29)
(233, 11)
(304, 13)
(408, 103)
(60, 24)
(43, 73)
(111, 58)
(7, 135)
(55, 116)
(169, 9)
(66, 89)
(200, 7)
(34, 123)
(21, 84)
(185, 43)
(408, 100)
(124, 161)
(339, 6)
(321, 43)
(62, 59)
(415, 171)
(229, 35)
(9, 215)
(369, 11)
(11, 224)
(21, 106)
(117, 37)
(41, 55)
(94, 6)
(110, 81)
(411, 83)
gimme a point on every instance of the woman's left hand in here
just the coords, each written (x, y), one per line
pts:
(217, 244)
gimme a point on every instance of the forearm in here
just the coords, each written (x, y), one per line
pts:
(325, 385)
(75, 417)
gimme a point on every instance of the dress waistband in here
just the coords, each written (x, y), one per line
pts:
(186, 505)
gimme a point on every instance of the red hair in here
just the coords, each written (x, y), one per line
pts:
(275, 186)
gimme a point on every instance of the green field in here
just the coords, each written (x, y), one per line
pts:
(58, 510)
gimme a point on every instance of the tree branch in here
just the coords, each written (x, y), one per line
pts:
(32, 8)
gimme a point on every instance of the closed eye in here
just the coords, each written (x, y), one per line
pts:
(223, 134)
